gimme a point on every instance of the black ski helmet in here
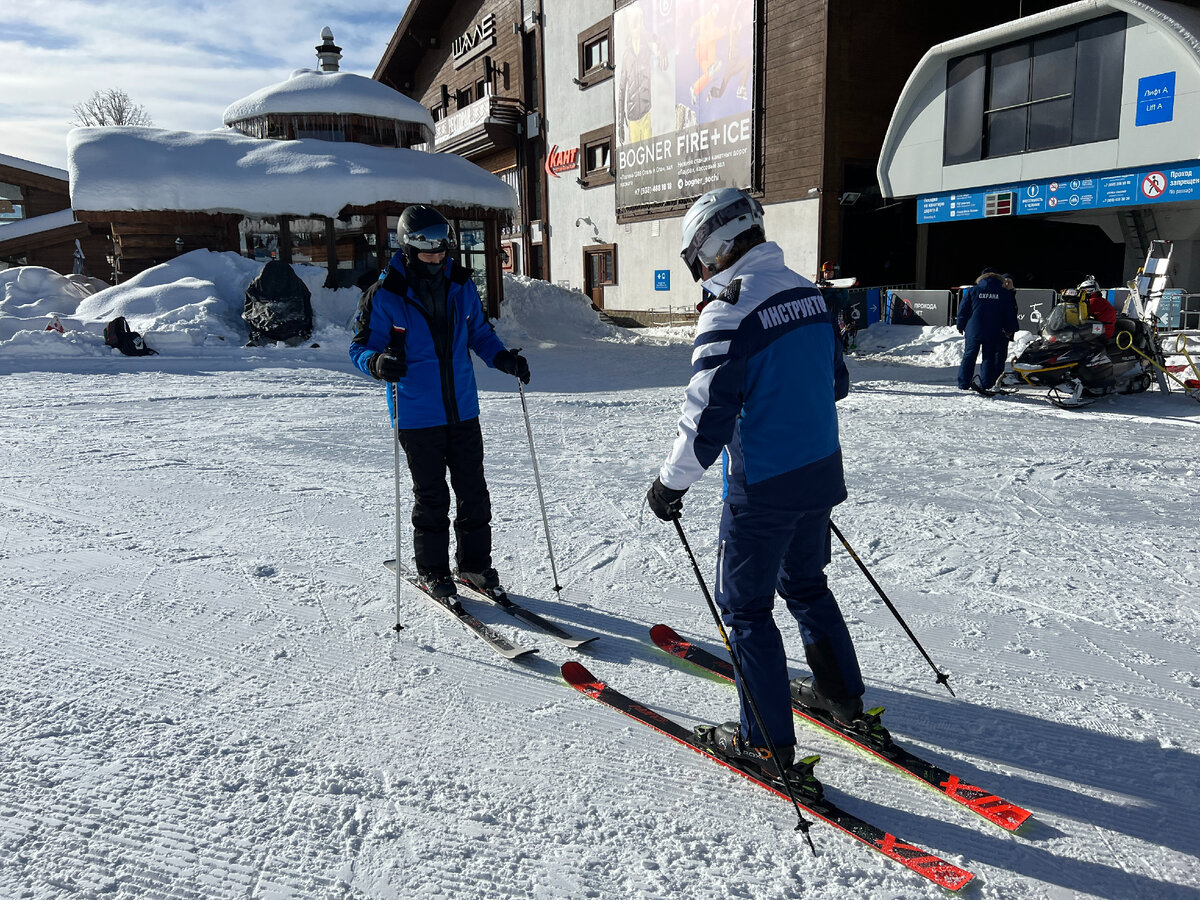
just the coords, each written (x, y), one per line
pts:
(423, 229)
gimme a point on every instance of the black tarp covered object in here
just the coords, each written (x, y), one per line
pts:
(278, 306)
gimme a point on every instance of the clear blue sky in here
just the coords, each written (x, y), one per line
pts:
(183, 60)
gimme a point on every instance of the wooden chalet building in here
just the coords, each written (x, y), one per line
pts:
(36, 224)
(315, 169)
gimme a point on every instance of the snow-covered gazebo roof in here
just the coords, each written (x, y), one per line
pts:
(144, 169)
(309, 92)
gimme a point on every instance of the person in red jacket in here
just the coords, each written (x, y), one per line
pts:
(1098, 306)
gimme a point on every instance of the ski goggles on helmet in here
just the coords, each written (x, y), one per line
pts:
(431, 239)
(693, 254)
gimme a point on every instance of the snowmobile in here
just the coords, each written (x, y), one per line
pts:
(1073, 360)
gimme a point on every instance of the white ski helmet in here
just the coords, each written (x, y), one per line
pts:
(712, 223)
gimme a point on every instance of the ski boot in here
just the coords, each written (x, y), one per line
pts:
(439, 585)
(845, 715)
(726, 742)
(486, 582)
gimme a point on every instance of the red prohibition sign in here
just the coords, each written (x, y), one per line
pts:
(1154, 184)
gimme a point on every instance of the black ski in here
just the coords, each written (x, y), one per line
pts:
(501, 599)
(485, 633)
(872, 737)
(812, 798)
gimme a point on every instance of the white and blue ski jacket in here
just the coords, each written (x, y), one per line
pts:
(439, 388)
(767, 369)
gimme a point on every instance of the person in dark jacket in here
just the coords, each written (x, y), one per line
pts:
(987, 316)
(767, 369)
(415, 328)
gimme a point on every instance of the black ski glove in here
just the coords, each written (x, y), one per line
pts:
(388, 365)
(511, 362)
(665, 502)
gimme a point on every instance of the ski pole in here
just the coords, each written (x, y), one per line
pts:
(537, 478)
(802, 824)
(942, 677)
(395, 392)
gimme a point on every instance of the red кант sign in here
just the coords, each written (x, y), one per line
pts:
(561, 160)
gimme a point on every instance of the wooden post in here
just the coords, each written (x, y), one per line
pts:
(382, 251)
(285, 240)
(331, 257)
(495, 273)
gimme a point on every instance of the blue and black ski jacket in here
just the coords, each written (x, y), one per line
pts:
(767, 369)
(439, 388)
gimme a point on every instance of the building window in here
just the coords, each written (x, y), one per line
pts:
(463, 98)
(595, 153)
(595, 54)
(12, 202)
(1054, 90)
(471, 241)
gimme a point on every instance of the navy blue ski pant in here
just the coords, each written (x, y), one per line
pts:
(762, 551)
(995, 351)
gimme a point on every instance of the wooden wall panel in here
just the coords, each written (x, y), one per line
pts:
(437, 66)
(793, 110)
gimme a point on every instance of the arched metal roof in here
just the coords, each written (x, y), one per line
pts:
(1179, 23)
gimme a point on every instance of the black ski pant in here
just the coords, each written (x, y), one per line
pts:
(431, 452)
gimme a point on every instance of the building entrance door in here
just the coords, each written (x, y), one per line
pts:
(599, 269)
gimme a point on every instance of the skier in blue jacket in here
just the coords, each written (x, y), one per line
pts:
(987, 315)
(415, 327)
(767, 369)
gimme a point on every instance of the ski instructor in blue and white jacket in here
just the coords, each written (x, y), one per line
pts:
(415, 328)
(767, 369)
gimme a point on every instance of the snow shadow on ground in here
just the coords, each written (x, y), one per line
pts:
(1074, 755)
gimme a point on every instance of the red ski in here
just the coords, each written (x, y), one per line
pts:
(937, 870)
(873, 738)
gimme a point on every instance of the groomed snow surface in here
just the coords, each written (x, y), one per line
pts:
(204, 696)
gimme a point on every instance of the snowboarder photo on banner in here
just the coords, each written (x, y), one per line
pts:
(987, 317)
(767, 369)
(415, 328)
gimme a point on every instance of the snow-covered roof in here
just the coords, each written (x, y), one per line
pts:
(15, 162)
(36, 225)
(329, 93)
(127, 168)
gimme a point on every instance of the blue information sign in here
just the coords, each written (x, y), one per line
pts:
(662, 279)
(1101, 190)
(1156, 99)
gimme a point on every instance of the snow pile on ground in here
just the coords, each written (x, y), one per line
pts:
(194, 299)
(537, 313)
(938, 346)
(30, 296)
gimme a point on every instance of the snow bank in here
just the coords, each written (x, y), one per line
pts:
(31, 297)
(935, 346)
(537, 313)
(196, 298)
